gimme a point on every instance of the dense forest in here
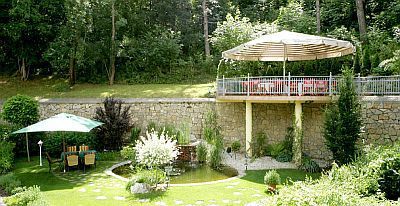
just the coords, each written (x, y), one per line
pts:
(174, 41)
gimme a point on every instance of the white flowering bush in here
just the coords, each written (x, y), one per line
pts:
(156, 149)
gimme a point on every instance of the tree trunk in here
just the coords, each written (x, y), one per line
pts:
(362, 25)
(112, 49)
(317, 10)
(23, 70)
(205, 25)
(71, 70)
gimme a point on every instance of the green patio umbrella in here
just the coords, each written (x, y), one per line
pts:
(61, 122)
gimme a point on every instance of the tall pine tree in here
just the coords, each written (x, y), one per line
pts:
(343, 121)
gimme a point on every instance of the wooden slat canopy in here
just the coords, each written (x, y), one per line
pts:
(289, 46)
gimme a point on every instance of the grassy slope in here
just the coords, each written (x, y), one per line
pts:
(44, 88)
(63, 192)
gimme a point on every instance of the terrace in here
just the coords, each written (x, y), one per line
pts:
(297, 90)
(288, 89)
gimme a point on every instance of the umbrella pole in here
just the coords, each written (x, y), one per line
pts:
(65, 158)
(27, 146)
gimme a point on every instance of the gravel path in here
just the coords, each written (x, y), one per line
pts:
(257, 164)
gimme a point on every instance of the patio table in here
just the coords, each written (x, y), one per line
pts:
(81, 154)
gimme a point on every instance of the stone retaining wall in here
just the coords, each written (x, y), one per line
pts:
(381, 117)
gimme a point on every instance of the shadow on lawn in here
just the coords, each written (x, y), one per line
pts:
(150, 196)
(30, 173)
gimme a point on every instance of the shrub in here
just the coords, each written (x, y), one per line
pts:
(309, 165)
(53, 143)
(135, 133)
(201, 152)
(116, 121)
(6, 156)
(274, 149)
(26, 196)
(343, 122)
(215, 157)
(156, 149)
(21, 110)
(212, 134)
(6, 131)
(129, 153)
(389, 180)
(353, 184)
(272, 177)
(183, 134)
(236, 146)
(151, 177)
(258, 144)
(9, 182)
(109, 156)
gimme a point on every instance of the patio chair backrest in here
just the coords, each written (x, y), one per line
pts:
(83, 148)
(90, 159)
(71, 149)
(72, 160)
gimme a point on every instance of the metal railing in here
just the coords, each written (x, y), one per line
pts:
(305, 85)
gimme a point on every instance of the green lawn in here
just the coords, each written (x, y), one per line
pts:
(46, 88)
(96, 188)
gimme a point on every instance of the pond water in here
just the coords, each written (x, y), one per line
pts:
(189, 173)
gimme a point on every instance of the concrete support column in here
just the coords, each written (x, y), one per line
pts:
(249, 127)
(298, 138)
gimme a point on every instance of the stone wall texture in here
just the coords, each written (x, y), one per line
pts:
(381, 117)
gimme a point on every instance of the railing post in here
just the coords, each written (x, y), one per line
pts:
(288, 87)
(330, 83)
(248, 84)
(223, 85)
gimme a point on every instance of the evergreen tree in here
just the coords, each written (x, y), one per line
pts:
(343, 121)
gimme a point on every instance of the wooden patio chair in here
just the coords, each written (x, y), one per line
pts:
(71, 149)
(89, 159)
(52, 161)
(72, 160)
(83, 148)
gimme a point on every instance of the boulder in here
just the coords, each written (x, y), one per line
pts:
(140, 188)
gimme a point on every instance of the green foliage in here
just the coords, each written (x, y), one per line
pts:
(212, 134)
(26, 197)
(389, 180)
(309, 165)
(358, 182)
(366, 61)
(53, 143)
(294, 17)
(201, 152)
(151, 177)
(109, 156)
(258, 144)
(116, 121)
(6, 156)
(21, 110)
(135, 133)
(9, 182)
(236, 145)
(181, 134)
(129, 153)
(274, 149)
(343, 122)
(272, 178)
